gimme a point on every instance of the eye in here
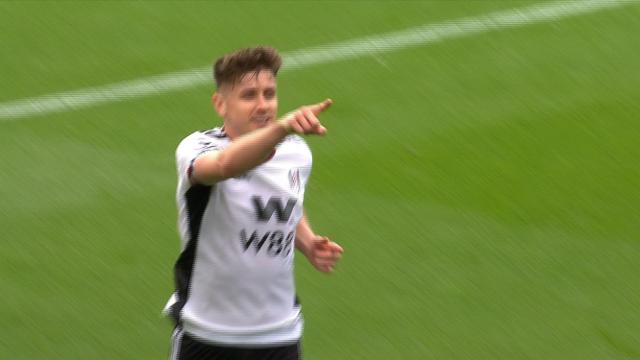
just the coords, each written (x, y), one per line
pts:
(270, 93)
(249, 94)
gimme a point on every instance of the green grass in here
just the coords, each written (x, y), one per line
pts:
(485, 189)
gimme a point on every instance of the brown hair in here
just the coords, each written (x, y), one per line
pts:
(231, 67)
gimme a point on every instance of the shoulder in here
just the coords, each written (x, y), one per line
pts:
(295, 141)
(294, 150)
(199, 141)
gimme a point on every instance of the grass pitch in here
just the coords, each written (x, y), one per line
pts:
(485, 188)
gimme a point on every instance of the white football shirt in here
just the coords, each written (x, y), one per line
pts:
(234, 277)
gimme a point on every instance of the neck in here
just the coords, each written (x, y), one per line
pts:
(231, 134)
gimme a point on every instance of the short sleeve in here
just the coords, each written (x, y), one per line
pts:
(192, 147)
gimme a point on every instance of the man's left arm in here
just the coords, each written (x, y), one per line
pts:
(321, 252)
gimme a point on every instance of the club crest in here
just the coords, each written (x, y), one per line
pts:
(294, 180)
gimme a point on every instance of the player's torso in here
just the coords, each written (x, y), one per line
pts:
(264, 205)
(243, 269)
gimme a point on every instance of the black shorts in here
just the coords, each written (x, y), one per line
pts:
(185, 347)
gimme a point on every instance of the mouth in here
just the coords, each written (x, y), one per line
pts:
(261, 120)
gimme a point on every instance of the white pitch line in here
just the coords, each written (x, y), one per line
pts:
(421, 35)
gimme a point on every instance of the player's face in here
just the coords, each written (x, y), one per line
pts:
(249, 104)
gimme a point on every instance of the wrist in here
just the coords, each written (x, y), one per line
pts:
(303, 245)
(283, 127)
(285, 122)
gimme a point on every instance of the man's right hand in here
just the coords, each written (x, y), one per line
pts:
(305, 121)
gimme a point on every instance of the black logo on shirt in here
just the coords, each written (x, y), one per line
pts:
(274, 205)
(277, 243)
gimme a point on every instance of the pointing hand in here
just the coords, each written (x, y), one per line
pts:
(304, 120)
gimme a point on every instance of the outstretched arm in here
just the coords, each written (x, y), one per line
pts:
(321, 252)
(250, 150)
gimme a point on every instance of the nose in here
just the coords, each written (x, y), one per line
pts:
(261, 104)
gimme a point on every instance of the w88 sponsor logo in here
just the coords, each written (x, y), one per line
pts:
(274, 242)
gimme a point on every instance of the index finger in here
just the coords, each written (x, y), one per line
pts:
(321, 106)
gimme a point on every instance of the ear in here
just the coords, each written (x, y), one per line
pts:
(219, 103)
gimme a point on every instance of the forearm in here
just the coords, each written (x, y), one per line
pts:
(251, 150)
(241, 155)
(304, 235)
